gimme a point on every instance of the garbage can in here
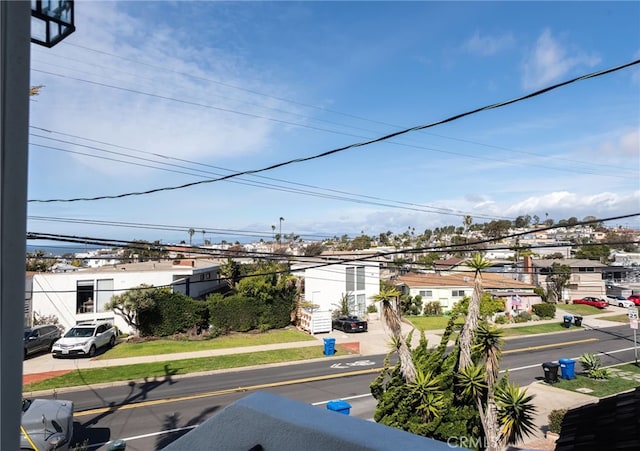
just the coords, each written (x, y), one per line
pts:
(577, 320)
(329, 346)
(339, 406)
(567, 320)
(550, 372)
(567, 368)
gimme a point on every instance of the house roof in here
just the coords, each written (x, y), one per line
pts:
(570, 262)
(459, 279)
(613, 423)
(279, 423)
(448, 263)
(163, 265)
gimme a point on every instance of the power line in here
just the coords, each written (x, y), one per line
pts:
(359, 144)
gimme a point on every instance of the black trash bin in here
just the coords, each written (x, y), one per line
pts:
(567, 320)
(577, 320)
(550, 372)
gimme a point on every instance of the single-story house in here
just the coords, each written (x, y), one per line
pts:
(81, 295)
(449, 288)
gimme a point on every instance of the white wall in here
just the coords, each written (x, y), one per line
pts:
(56, 293)
(326, 285)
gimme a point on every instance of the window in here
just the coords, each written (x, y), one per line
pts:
(587, 269)
(457, 293)
(84, 296)
(104, 293)
(354, 278)
(426, 293)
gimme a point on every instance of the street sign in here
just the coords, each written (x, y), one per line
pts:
(634, 324)
(633, 313)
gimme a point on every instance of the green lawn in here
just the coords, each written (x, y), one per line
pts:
(581, 309)
(159, 372)
(431, 322)
(618, 318)
(156, 347)
(601, 388)
(532, 329)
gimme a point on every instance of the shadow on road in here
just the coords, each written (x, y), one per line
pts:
(137, 393)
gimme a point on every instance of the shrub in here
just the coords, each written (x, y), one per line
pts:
(555, 419)
(522, 317)
(545, 310)
(535, 318)
(371, 308)
(433, 308)
(172, 313)
(592, 365)
(501, 319)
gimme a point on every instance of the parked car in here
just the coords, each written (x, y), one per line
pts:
(620, 301)
(594, 302)
(635, 298)
(349, 324)
(47, 424)
(40, 338)
(85, 339)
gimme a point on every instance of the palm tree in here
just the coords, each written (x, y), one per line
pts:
(478, 263)
(387, 296)
(191, 233)
(280, 231)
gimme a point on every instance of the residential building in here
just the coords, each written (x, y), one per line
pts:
(449, 288)
(586, 276)
(81, 295)
(328, 279)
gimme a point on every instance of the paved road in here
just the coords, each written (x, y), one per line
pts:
(179, 403)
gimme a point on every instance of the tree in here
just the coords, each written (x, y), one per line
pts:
(388, 296)
(599, 252)
(131, 303)
(230, 272)
(280, 230)
(191, 233)
(478, 263)
(38, 261)
(313, 249)
(558, 280)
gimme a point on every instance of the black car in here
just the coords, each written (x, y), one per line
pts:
(349, 324)
(40, 338)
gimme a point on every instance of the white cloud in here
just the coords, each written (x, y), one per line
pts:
(487, 45)
(549, 61)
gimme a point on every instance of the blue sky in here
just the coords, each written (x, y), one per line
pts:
(146, 95)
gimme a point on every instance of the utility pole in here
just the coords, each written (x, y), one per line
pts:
(15, 37)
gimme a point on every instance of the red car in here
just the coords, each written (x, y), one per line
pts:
(635, 298)
(595, 302)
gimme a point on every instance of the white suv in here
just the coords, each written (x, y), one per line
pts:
(85, 339)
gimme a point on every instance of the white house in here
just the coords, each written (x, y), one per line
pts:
(447, 289)
(327, 280)
(81, 295)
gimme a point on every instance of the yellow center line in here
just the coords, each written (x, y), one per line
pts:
(224, 392)
(283, 383)
(552, 345)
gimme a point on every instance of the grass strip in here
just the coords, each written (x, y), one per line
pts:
(157, 372)
(432, 322)
(165, 346)
(536, 329)
(582, 309)
(601, 388)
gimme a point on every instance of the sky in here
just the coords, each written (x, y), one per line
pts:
(150, 96)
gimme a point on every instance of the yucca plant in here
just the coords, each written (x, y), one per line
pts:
(592, 365)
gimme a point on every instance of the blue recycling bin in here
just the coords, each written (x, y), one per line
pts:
(339, 406)
(329, 346)
(567, 320)
(567, 368)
